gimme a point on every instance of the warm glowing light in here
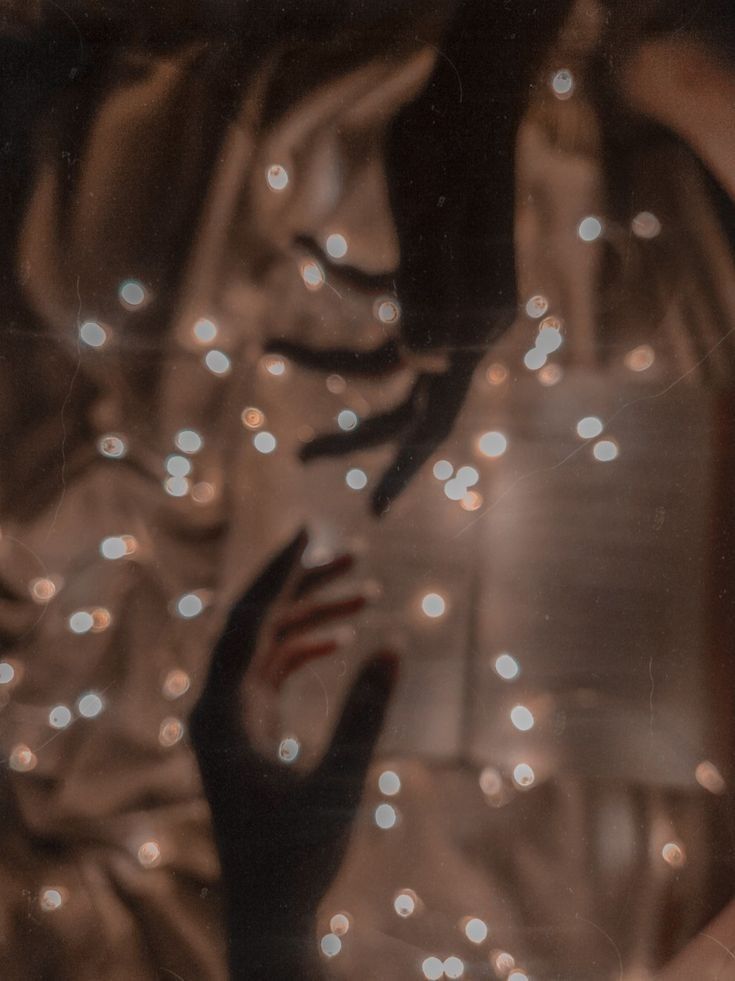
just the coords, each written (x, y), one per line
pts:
(522, 718)
(492, 444)
(170, 732)
(708, 776)
(523, 775)
(176, 684)
(589, 229)
(387, 311)
(336, 246)
(188, 441)
(330, 945)
(340, 924)
(252, 418)
(149, 854)
(673, 854)
(356, 479)
(132, 293)
(277, 177)
(312, 275)
(537, 306)
(51, 898)
(43, 589)
(217, 362)
(274, 366)
(60, 717)
(550, 374)
(475, 930)
(433, 605)
(645, 225)
(101, 619)
(640, 358)
(385, 816)
(502, 962)
(335, 384)
(92, 334)
(90, 705)
(111, 446)
(203, 492)
(471, 501)
(605, 451)
(22, 758)
(507, 666)
(289, 749)
(589, 427)
(491, 782)
(496, 374)
(265, 442)
(389, 783)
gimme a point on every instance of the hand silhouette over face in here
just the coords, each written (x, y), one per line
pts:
(281, 834)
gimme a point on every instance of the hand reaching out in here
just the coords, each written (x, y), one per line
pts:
(281, 834)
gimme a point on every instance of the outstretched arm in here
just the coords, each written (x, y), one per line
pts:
(281, 834)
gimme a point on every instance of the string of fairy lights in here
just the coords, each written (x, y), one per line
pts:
(460, 483)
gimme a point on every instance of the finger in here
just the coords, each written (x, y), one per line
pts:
(237, 643)
(315, 616)
(322, 575)
(436, 412)
(379, 361)
(372, 431)
(341, 773)
(293, 658)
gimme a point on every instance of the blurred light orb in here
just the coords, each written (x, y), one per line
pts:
(645, 225)
(433, 969)
(475, 930)
(265, 442)
(336, 246)
(92, 333)
(507, 667)
(562, 83)
(389, 783)
(589, 229)
(707, 775)
(517, 976)
(433, 605)
(217, 362)
(178, 466)
(454, 489)
(453, 967)
(176, 486)
(149, 854)
(340, 924)
(289, 749)
(548, 340)
(673, 854)
(387, 311)
(502, 962)
(385, 816)
(111, 446)
(330, 945)
(252, 418)
(60, 717)
(523, 775)
(204, 330)
(7, 673)
(90, 705)
(534, 359)
(81, 622)
(537, 306)
(471, 501)
(189, 605)
(491, 782)
(170, 732)
(274, 366)
(277, 177)
(176, 684)
(640, 358)
(22, 759)
(188, 441)
(589, 427)
(468, 476)
(203, 492)
(443, 470)
(51, 898)
(335, 384)
(101, 619)
(405, 903)
(605, 451)
(356, 479)
(550, 374)
(132, 293)
(492, 444)
(347, 420)
(42, 589)
(312, 275)
(113, 548)
(522, 718)
(496, 374)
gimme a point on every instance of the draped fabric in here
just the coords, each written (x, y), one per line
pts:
(604, 578)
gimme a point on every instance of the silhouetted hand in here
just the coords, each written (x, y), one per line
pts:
(281, 834)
